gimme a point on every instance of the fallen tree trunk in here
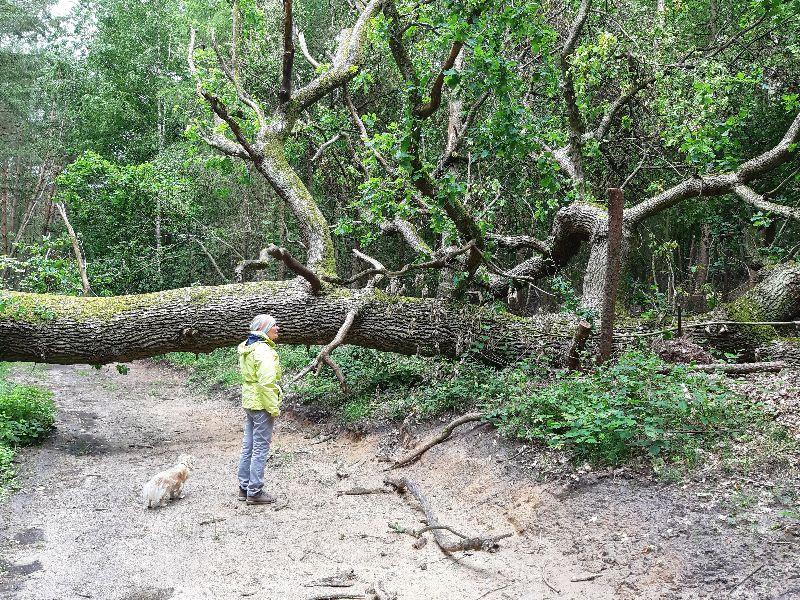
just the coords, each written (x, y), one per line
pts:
(776, 298)
(97, 330)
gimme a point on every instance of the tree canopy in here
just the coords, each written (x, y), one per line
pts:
(451, 149)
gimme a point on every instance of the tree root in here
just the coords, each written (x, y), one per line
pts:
(442, 436)
(488, 544)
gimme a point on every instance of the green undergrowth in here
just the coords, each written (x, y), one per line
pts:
(27, 414)
(218, 368)
(623, 411)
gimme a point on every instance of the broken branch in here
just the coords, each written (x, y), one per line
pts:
(487, 543)
(442, 436)
(283, 255)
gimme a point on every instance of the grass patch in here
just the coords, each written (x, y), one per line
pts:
(27, 414)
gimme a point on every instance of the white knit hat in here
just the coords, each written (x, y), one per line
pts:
(262, 323)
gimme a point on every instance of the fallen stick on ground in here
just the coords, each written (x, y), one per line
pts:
(442, 436)
(339, 580)
(362, 491)
(489, 544)
(733, 368)
(336, 596)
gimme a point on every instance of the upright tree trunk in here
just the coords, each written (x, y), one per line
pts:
(4, 208)
(697, 301)
(616, 204)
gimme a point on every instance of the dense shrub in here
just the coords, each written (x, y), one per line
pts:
(27, 414)
(219, 367)
(624, 409)
(7, 471)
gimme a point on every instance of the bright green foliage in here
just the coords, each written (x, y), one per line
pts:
(625, 409)
(7, 470)
(220, 367)
(47, 267)
(27, 414)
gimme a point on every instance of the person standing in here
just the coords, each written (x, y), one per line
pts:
(260, 366)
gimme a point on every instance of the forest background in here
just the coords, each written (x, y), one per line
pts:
(481, 136)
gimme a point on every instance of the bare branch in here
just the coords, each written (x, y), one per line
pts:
(488, 543)
(346, 62)
(456, 143)
(210, 258)
(440, 437)
(304, 48)
(336, 371)
(76, 248)
(362, 130)
(718, 185)
(760, 202)
(219, 109)
(409, 232)
(515, 242)
(283, 255)
(437, 263)
(431, 106)
(335, 343)
(224, 145)
(244, 98)
(321, 150)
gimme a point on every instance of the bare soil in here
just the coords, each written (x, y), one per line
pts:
(77, 527)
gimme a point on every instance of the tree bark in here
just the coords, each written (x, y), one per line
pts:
(97, 330)
(616, 204)
(776, 298)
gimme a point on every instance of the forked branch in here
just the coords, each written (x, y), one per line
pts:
(487, 543)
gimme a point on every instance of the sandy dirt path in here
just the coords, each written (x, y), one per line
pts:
(77, 528)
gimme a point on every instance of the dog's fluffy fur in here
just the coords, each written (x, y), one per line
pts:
(168, 484)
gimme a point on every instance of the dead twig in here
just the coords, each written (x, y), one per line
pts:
(341, 580)
(442, 436)
(335, 596)
(487, 543)
(283, 255)
(378, 592)
(750, 576)
(497, 589)
(589, 577)
(547, 583)
(362, 491)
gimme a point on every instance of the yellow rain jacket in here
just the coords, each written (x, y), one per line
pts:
(261, 370)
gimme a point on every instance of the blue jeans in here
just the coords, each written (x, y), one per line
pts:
(258, 426)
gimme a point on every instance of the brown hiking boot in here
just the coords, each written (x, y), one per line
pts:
(242, 495)
(261, 497)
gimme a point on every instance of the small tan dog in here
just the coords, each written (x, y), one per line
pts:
(168, 484)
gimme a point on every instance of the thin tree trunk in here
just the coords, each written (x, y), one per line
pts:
(4, 207)
(76, 248)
